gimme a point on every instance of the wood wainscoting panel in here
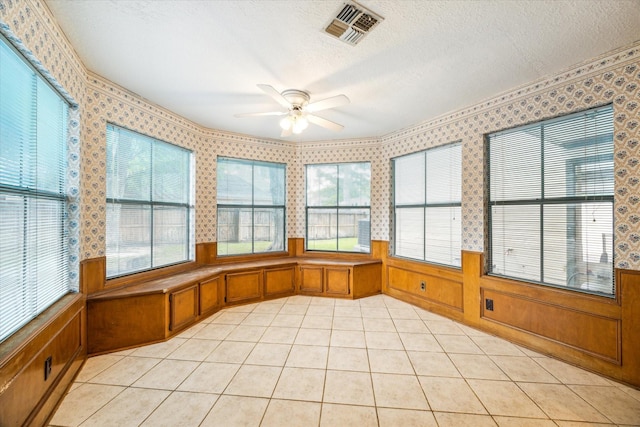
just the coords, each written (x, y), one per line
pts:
(336, 280)
(438, 290)
(366, 280)
(591, 333)
(120, 323)
(211, 295)
(26, 396)
(245, 286)
(311, 279)
(279, 281)
(183, 307)
(628, 284)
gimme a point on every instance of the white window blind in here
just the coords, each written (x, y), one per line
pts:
(34, 237)
(427, 205)
(338, 207)
(149, 203)
(551, 202)
(251, 206)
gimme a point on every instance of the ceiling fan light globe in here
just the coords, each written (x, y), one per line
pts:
(300, 125)
(285, 123)
(302, 122)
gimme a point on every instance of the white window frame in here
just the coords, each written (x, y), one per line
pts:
(440, 206)
(39, 263)
(253, 207)
(363, 243)
(115, 242)
(562, 245)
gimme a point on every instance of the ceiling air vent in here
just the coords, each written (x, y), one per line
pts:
(352, 23)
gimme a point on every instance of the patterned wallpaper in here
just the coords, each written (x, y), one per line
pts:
(614, 78)
(107, 102)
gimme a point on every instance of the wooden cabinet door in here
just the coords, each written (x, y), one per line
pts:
(336, 280)
(311, 279)
(211, 295)
(279, 281)
(183, 307)
(244, 286)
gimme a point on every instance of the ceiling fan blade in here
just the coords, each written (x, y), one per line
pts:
(268, 113)
(286, 132)
(334, 101)
(324, 123)
(269, 90)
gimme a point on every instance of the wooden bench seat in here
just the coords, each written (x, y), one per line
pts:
(154, 310)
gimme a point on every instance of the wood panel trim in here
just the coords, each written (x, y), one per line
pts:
(93, 273)
(206, 252)
(440, 271)
(605, 306)
(472, 271)
(234, 259)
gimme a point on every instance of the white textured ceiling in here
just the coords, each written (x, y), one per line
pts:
(203, 59)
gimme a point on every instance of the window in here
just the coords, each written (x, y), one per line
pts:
(338, 207)
(149, 203)
(35, 257)
(551, 202)
(427, 204)
(251, 206)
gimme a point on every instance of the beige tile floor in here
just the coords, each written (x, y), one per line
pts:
(304, 361)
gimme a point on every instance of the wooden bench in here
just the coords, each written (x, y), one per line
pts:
(158, 309)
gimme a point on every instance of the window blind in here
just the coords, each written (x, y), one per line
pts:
(34, 239)
(427, 205)
(149, 203)
(251, 206)
(338, 207)
(551, 202)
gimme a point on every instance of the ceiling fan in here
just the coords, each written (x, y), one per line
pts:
(299, 111)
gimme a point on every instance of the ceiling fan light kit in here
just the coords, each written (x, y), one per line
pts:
(294, 122)
(299, 111)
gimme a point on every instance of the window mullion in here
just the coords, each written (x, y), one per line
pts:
(542, 198)
(151, 206)
(253, 209)
(424, 211)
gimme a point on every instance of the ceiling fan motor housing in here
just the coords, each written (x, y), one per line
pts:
(297, 98)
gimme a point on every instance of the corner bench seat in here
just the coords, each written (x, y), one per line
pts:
(154, 310)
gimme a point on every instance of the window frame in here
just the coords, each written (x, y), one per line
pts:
(570, 201)
(42, 284)
(337, 208)
(152, 204)
(253, 207)
(424, 206)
